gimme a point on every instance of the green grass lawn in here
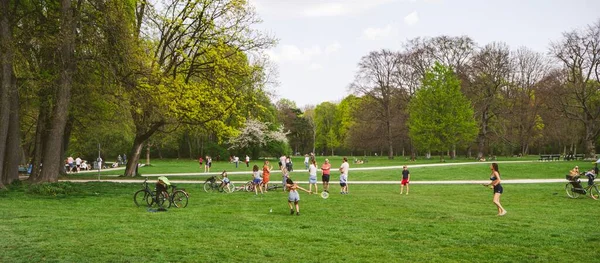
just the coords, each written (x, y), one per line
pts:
(435, 223)
(477, 171)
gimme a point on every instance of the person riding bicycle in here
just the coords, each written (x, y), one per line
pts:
(591, 175)
(574, 173)
(225, 181)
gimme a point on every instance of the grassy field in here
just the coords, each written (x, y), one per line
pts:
(435, 223)
(522, 169)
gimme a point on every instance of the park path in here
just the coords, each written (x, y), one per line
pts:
(396, 167)
(515, 181)
(105, 178)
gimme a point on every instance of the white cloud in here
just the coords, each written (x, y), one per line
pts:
(333, 48)
(411, 18)
(327, 8)
(375, 33)
(315, 67)
(308, 57)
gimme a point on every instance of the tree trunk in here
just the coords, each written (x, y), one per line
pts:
(12, 157)
(39, 142)
(138, 143)
(389, 139)
(482, 136)
(52, 158)
(148, 154)
(6, 59)
(134, 157)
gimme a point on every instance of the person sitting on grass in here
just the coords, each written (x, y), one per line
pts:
(162, 186)
(225, 183)
(293, 196)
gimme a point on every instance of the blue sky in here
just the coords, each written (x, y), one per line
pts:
(322, 41)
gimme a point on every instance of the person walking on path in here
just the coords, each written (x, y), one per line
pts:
(344, 176)
(495, 184)
(312, 176)
(326, 168)
(405, 179)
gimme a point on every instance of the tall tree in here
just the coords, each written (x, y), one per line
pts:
(6, 84)
(579, 99)
(440, 115)
(377, 78)
(198, 72)
(490, 69)
(327, 127)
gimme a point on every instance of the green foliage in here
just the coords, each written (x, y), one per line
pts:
(435, 223)
(440, 115)
(327, 137)
(60, 189)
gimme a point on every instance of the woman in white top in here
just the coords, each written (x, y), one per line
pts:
(312, 179)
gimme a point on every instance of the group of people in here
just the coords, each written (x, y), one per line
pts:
(207, 163)
(76, 165)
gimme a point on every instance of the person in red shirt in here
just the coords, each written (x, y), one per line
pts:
(266, 175)
(326, 168)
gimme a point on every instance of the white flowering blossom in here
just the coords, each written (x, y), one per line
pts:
(257, 133)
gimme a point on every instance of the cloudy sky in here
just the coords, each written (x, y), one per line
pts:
(322, 41)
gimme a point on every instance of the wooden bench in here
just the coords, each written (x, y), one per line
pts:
(549, 157)
(579, 156)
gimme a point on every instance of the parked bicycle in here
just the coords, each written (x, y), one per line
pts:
(146, 197)
(574, 187)
(177, 198)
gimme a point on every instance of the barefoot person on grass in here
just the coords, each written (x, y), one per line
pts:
(344, 176)
(495, 177)
(312, 176)
(293, 196)
(326, 168)
(405, 179)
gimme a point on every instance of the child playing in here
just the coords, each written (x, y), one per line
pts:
(293, 195)
(162, 186)
(225, 183)
(266, 175)
(284, 176)
(257, 180)
(405, 179)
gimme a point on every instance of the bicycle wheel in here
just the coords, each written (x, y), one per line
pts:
(161, 199)
(208, 187)
(570, 192)
(180, 199)
(229, 188)
(594, 193)
(142, 197)
(249, 187)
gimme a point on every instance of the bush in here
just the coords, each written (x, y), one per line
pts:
(53, 189)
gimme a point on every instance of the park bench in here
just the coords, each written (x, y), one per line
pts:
(549, 157)
(579, 156)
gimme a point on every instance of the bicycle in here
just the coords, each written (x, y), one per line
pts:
(178, 198)
(214, 183)
(574, 188)
(144, 196)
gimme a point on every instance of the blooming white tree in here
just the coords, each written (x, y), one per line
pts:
(257, 134)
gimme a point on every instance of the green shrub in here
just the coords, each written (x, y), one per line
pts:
(53, 189)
